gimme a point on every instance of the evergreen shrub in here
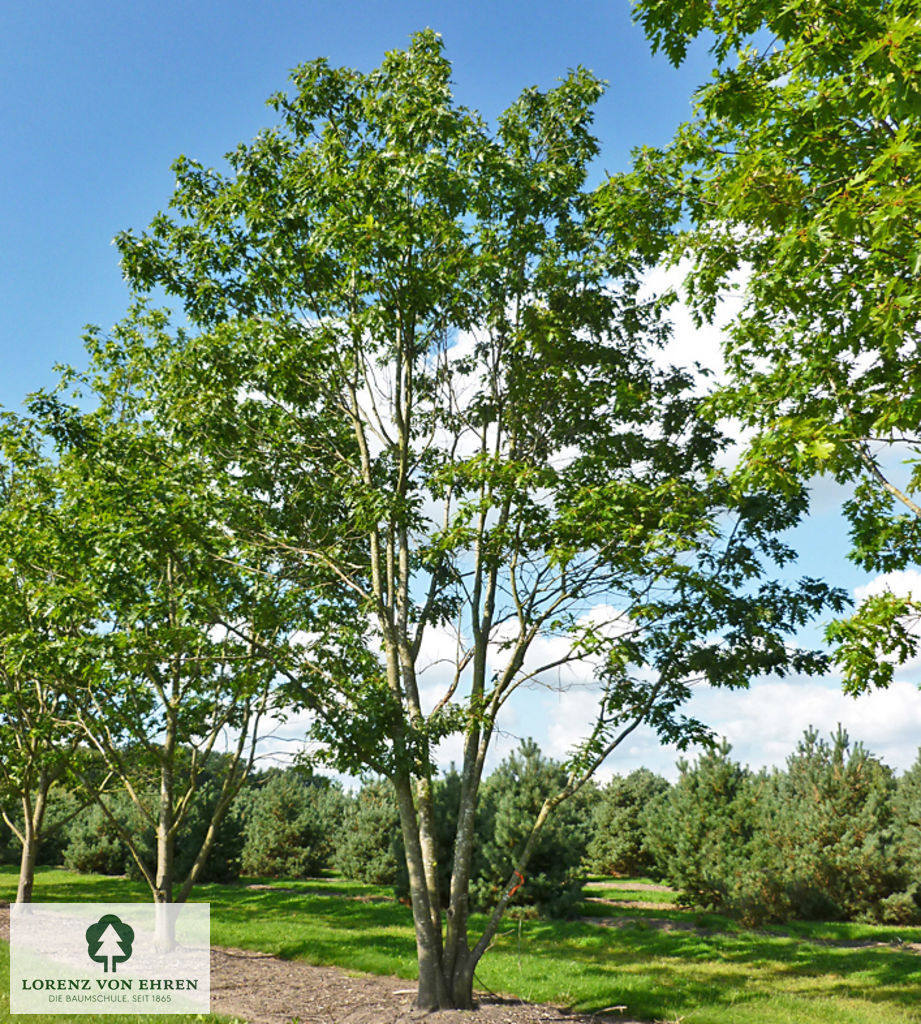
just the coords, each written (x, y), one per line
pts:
(370, 844)
(699, 831)
(618, 845)
(291, 822)
(814, 841)
(511, 798)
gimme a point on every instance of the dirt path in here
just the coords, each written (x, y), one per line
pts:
(632, 904)
(259, 988)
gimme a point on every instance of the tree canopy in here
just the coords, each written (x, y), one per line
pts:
(166, 665)
(43, 610)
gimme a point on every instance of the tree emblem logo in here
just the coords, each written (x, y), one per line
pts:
(108, 941)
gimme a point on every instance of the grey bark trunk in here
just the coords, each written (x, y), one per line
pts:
(432, 993)
(27, 864)
(462, 980)
(33, 817)
(164, 929)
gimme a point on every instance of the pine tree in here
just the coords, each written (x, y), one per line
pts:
(904, 906)
(369, 846)
(512, 796)
(830, 841)
(291, 823)
(699, 831)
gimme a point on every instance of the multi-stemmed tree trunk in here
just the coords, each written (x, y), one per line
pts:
(165, 810)
(424, 380)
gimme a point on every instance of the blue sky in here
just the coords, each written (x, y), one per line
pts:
(97, 99)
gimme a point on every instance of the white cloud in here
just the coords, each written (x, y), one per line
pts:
(903, 582)
(763, 724)
(438, 657)
(690, 343)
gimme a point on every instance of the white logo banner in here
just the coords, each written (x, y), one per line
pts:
(110, 958)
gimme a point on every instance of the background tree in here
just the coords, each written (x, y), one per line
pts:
(7, 842)
(813, 841)
(827, 847)
(95, 845)
(425, 372)
(904, 906)
(800, 171)
(39, 616)
(370, 846)
(700, 830)
(511, 799)
(292, 821)
(93, 840)
(164, 678)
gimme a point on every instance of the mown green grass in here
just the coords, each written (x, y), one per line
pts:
(725, 975)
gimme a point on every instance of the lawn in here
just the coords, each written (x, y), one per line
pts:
(705, 970)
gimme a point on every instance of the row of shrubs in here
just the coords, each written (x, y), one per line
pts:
(834, 835)
(294, 824)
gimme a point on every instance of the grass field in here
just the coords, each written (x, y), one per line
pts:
(662, 965)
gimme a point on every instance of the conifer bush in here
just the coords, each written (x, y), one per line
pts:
(94, 842)
(824, 830)
(814, 841)
(62, 807)
(8, 843)
(446, 795)
(223, 863)
(370, 846)
(291, 821)
(618, 845)
(904, 906)
(511, 798)
(699, 831)
(94, 845)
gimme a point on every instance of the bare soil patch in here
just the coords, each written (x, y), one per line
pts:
(632, 904)
(261, 989)
(657, 924)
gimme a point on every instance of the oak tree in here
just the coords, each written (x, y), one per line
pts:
(42, 610)
(170, 670)
(423, 369)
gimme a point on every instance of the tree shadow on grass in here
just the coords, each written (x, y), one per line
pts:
(671, 972)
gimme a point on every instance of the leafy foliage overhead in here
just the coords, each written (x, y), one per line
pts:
(800, 172)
